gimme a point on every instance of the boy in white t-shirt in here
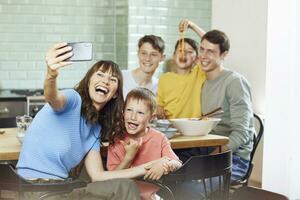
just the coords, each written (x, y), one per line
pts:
(150, 54)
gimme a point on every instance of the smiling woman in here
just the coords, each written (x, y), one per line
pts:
(101, 84)
(71, 125)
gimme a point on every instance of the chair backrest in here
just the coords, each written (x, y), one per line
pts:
(250, 193)
(259, 133)
(10, 180)
(203, 166)
(259, 127)
(213, 171)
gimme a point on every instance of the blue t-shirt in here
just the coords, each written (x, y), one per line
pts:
(57, 141)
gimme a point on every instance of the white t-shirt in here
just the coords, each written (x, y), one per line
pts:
(129, 83)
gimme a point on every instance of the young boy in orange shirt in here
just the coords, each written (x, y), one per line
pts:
(141, 143)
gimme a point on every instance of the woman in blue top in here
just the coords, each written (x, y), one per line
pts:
(67, 129)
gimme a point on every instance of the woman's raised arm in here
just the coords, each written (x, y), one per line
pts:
(55, 59)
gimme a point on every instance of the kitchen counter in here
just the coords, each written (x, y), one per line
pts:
(7, 95)
(19, 94)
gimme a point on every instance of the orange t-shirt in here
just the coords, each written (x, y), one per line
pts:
(154, 146)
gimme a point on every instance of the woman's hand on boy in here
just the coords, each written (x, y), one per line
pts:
(171, 166)
(161, 167)
(155, 171)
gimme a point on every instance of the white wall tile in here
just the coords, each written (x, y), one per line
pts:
(30, 27)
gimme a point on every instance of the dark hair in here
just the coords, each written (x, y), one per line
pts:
(217, 37)
(191, 42)
(110, 116)
(156, 42)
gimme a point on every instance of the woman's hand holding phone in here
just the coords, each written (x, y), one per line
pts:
(62, 54)
(56, 56)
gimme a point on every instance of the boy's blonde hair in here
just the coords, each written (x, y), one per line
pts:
(142, 94)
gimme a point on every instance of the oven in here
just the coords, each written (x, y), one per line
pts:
(19, 102)
(34, 100)
(34, 104)
(9, 109)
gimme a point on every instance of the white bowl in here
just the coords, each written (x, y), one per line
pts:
(194, 126)
(163, 123)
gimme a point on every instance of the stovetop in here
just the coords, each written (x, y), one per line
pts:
(19, 94)
(28, 92)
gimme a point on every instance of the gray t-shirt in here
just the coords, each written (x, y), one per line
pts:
(232, 92)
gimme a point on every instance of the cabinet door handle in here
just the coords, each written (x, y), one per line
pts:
(4, 111)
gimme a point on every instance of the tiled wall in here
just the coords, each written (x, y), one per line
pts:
(29, 27)
(161, 17)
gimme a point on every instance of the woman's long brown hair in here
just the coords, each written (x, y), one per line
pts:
(110, 117)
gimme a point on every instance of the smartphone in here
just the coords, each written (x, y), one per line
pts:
(82, 51)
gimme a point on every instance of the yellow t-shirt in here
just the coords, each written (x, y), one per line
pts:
(179, 95)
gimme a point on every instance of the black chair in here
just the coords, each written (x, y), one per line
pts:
(10, 180)
(257, 137)
(253, 193)
(201, 168)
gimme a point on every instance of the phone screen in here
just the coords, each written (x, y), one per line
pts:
(82, 51)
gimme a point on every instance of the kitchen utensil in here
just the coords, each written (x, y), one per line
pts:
(214, 112)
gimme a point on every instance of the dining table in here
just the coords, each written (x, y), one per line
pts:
(10, 146)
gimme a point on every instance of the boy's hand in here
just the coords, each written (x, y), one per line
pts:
(131, 147)
(184, 25)
(161, 113)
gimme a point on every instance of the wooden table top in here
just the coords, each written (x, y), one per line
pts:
(181, 141)
(10, 146)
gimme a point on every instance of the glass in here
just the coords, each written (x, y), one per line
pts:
(23, 123)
